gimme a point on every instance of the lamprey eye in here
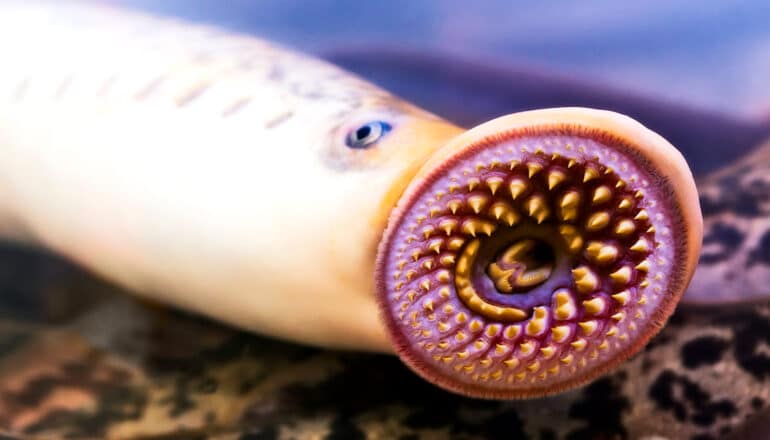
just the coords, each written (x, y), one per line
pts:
(367, 134)
(530, 261)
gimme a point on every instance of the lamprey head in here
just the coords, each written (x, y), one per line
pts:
(537, 251)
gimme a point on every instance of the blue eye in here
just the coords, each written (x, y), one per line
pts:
(367, 134)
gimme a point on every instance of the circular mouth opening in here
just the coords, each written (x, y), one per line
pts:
(524, 261)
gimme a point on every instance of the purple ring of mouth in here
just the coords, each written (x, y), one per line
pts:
(564, 331)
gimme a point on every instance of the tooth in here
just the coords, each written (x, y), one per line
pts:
(566, 360)
(571, 163)
(443, 276)
(485, 362)
(473, 182)
(511, 363)
(620, 184)
(534, 366)
(639, 194)
(469, 227)
(477, 202)
(428, 305)
(547, 352)
(625, 204)
(537, 208)
(594, 306)
(603, 346)
(513, 164)
(560, 333)
(625, 227)
(640, 246)
(618, 316)
(579, 344)
(537, 324)
(598, 221)
(612, 331)
(502, 210)
(427, 264)
(520, 376)
(601, 253)
(447, 260)
(642, 215)
(571, 237)
(455, 243)
(555, 177)
(527, 348)
(590, 174)
(517, 187)
(425, 284)
(494, 183)
(435, 245)
(622, 275)
(644, 266)
(533, 168)
(585, 279)
(475, 326)
(565, 305)
(511, 332)
(454, 205)
(461, 317)
(602, 194)
(569, 204)
(492, 330)
(622, 297)
(588, 327)
(434, 211)
(427, 230)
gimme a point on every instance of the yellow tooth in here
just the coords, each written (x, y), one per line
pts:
(560, 333)
(475, 325)
(454, 205)
(602, 194)
(625, 204)
(555, 177)
(569, 204)
(571, 163)
(473, 182)
(579, 344)
(477, 202)
(410, 274)
(427, 264)
(537, 208)
(479, 345)
(625, 227)
(618, 316)
(511, 363)
(622, 297)
(494, 183)
(469, 227)
(537, 323)
(447, 260)
(590, 174)
(485, 362)
(612, 331)
(435, 246)
(588, 327)
(547, 352)
(443, 344)
(517, 187)
(640, 246)
(461, 317)
(443, 276)
(651, 230)
(620, 184)
(527, 348)
(565, 305)
(513, 164)
(492, 330)
(598, 221)
(534, 366)
(571, 237)
(442, 327)
(566, 360)
(480, 166)
(501, 210)
(585, 279)
(411, 295)
(459, 337)
(434, 211)
(622, 275)
(512, 332)
(425, 284)
(428, 305)
(427, 231)
(644, 266)
(534, 168)
(603, 346)
(500, 348)
(639, 194)
(593, 306)
(601, 253)
(455, 243)
(415, 255)
(642, 215)
(448, 225)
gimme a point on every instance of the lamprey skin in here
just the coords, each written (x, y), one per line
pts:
(537, 251)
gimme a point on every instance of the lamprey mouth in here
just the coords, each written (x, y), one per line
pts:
(531, 261)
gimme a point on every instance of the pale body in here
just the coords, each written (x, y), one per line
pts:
(201, 169)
